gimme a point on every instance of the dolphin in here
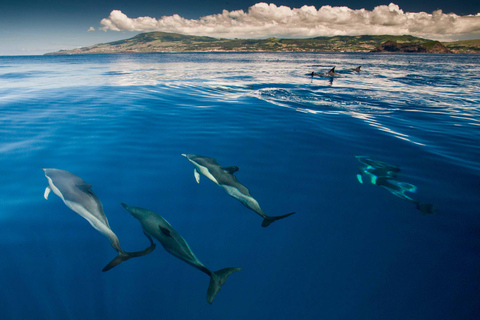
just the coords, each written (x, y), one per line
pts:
(223, 176)
(159, 228)
(385, 175)
(356, 69)
(331, 73)
(78, 196)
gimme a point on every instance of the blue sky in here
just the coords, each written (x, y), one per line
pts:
(36, 27)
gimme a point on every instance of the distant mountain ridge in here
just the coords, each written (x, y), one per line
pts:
(174, 42)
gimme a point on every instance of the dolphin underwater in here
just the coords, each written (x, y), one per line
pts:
(223, 176)
(159, 228)
(385, 175)
(78, 196)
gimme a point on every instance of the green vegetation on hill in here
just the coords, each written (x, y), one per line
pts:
(464, 46)
(173, 42)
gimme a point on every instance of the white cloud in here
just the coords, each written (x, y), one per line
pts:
(265, 20)
(91, 29)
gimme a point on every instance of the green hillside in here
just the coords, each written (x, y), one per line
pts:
(464, 46)
(173, 42)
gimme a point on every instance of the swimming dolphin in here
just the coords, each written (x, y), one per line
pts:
(159, 228)
(356, 69)
(78, 196)
(331, 73)
(224, 178)
(384, 175)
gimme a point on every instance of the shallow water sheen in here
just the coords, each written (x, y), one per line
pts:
(352, 251)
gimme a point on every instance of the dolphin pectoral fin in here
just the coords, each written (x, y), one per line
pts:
(231, 169)
(217, 280)
(197, 175)
(47, 192)
(268, 220)
(152, 246)
(165, 231)
(359, 178)
(124, 256)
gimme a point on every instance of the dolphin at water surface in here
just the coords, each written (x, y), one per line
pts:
(78, 196)
(159, 228)
(223, 176)
(331, 73)
(357, 69)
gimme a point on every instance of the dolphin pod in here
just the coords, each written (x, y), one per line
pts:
(332, 73)
(159, 228)
(223, 177)
(78, 196)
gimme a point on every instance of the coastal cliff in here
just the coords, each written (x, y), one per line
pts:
(412, 47)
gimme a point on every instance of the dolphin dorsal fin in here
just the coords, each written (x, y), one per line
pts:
(231, 170)
(85, 187)
(165, 231)
(332, 70)
(197, 175)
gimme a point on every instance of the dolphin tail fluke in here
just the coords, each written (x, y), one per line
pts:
(124, 256)
(426, 208)
(268, 220)
(217, 280)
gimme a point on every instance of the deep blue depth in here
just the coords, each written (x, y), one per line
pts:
(351, 251)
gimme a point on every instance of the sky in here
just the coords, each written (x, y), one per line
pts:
(30, 27)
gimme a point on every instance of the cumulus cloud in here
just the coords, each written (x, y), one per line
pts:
(265, 20)
(91, 29)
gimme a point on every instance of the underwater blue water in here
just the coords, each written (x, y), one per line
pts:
(351, 251)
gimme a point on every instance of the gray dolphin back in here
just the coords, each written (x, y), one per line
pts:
(174, 244)
(74, 189)
(78, 196)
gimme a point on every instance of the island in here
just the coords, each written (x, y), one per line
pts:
(174, 42)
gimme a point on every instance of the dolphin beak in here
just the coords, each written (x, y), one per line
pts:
(183, 154)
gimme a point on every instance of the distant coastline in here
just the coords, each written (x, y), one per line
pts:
(173, 42)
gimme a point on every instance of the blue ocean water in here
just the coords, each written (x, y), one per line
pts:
(351, 251)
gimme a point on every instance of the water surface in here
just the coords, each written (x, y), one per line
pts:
(352, 251)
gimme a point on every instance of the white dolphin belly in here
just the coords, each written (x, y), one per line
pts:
(247, 201)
